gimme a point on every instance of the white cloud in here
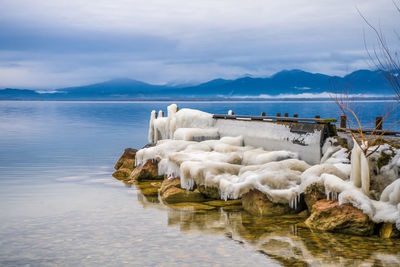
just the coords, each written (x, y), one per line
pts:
(73, 42)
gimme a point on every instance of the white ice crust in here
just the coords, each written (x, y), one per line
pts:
(234, 169)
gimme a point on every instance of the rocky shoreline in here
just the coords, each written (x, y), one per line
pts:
(313, 206)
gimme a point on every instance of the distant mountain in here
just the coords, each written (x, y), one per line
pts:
(18, 94)
(115, 89)
(286, 82)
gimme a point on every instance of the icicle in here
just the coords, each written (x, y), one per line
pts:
(153, 116)
(332, 195)
(187, 184)
(160, 114)
(355, 176)
(230, 112)
(365, 180)
(171, 121)
(294, 201)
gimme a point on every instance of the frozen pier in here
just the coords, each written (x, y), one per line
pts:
(304, 136)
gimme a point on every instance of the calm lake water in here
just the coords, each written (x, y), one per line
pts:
(59, 204)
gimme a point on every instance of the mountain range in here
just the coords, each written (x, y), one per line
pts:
(284, 84)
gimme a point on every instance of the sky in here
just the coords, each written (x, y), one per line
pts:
(47, 44)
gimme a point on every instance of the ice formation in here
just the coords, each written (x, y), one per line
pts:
(226, 163)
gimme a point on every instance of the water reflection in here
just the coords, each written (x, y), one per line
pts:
(283, 238)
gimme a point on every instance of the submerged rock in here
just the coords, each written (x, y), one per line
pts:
(229, 205)
(257, 203)
(148, 188)
(191, 206)
(148, 171)
(125, 164)
(330, 216)
(122, 174)
(223, 203)
(388, 230)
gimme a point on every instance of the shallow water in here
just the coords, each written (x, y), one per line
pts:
(282, 238)
(59, 204)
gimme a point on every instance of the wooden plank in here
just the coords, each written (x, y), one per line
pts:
(267, 118)
(369, 131)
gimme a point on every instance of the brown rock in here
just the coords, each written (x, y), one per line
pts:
(330, 216)
(257, 203)
(223, 203)
(209, 192)
(148, 171)
(168, 183)
(388, 230)
(313, 193)
(122, 174)
(148, 188)
(127, 160)
(187, 206)
(177, 195)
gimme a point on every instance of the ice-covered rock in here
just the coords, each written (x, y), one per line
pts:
(211, 157)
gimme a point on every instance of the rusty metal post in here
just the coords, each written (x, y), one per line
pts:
(378, 123)
(295, 115)
(286, 115)
(263, 114)
(317, 116)
(343, 122)
(278, 114)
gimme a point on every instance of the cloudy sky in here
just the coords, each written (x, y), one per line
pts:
(57, 43)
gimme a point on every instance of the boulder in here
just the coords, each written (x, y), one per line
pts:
(168, 183)
(313, 193)
(257, 203)
(125, 164)
(177, 195)
(122, 174)
(209, 192)
(148, 171)
(127, 160)
(171, 192)
(327, 215)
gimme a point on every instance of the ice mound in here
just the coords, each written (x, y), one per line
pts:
(235, 169)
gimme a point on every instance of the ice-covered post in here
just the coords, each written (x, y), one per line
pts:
(359, 168)
(378, 123)
(343, 121)
(153, 116)
(171, 120)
